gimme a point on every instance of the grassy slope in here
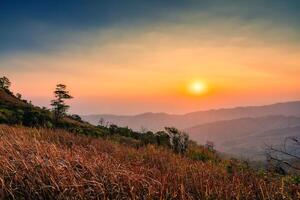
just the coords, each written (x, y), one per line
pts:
(9, 102)
(8, 98)
(39, 163)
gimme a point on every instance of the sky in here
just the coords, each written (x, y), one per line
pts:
(135, 56)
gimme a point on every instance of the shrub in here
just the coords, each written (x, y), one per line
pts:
(196, 155)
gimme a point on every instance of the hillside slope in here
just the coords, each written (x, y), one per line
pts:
(6, 98)
(19, 111)
(44, 164)
(247, 137)
(157, 121)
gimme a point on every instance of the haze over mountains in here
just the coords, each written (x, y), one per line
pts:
(241, 131)
(247, 137)
(157, 121)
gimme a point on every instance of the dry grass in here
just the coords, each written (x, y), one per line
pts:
(44, 164)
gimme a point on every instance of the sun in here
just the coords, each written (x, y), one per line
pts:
(197, 88)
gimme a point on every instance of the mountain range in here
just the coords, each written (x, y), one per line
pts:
(240, 131)
(247, 137)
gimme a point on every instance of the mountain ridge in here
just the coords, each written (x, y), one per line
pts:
(156, 121)
(247, 137)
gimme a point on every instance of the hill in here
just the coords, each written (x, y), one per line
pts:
(15, 110)
(247, 137)
(240, 132)
(7, 98)
(73, 159)
(45, 164)
(157, 121)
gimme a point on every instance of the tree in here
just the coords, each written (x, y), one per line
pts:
(286, 156)
(178, 140)
(5, 83)
(101, 121)
(59, 106)
(162, 139)
(210, 145)
(19, 96)
(76, 118)
(143, 129)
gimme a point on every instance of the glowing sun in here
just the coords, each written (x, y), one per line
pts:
(197, 88)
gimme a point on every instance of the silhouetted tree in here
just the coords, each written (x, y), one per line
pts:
(5, 83)
(143, 129)
(285, 156)
(59, 106)
(162, 139)
(101, 121)
(178, 140)
(76, 118)
(19, 96)
(210, 145)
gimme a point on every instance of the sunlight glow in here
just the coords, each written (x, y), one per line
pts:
(197, 88)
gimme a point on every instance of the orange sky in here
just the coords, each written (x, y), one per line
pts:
(149, 67)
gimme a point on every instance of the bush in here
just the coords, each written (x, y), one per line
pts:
(196, 155)
(76, 118)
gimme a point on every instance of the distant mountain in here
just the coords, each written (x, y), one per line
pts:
(149, 121)
(157, 121)
(241, 131)
(247, 137)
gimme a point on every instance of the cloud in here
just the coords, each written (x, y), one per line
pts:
(153, 61)
(40, 26)
(118, 46)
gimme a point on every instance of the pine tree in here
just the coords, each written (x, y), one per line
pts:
(60, 108)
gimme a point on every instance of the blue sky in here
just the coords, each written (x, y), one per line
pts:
(34, 24)
(27, 25)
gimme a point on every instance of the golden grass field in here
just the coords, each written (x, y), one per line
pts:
(45, 164)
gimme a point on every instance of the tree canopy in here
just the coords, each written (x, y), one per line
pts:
(5, 83)
(60, 108)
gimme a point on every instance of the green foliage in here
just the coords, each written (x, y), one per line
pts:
(5, 83)
(5, 115)
(76, 118)
(201, 153)
(160, 138)
(294, 179)
(131, 142)
(15, 111)
(235, 166)
(36, 117)
(196, 155)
